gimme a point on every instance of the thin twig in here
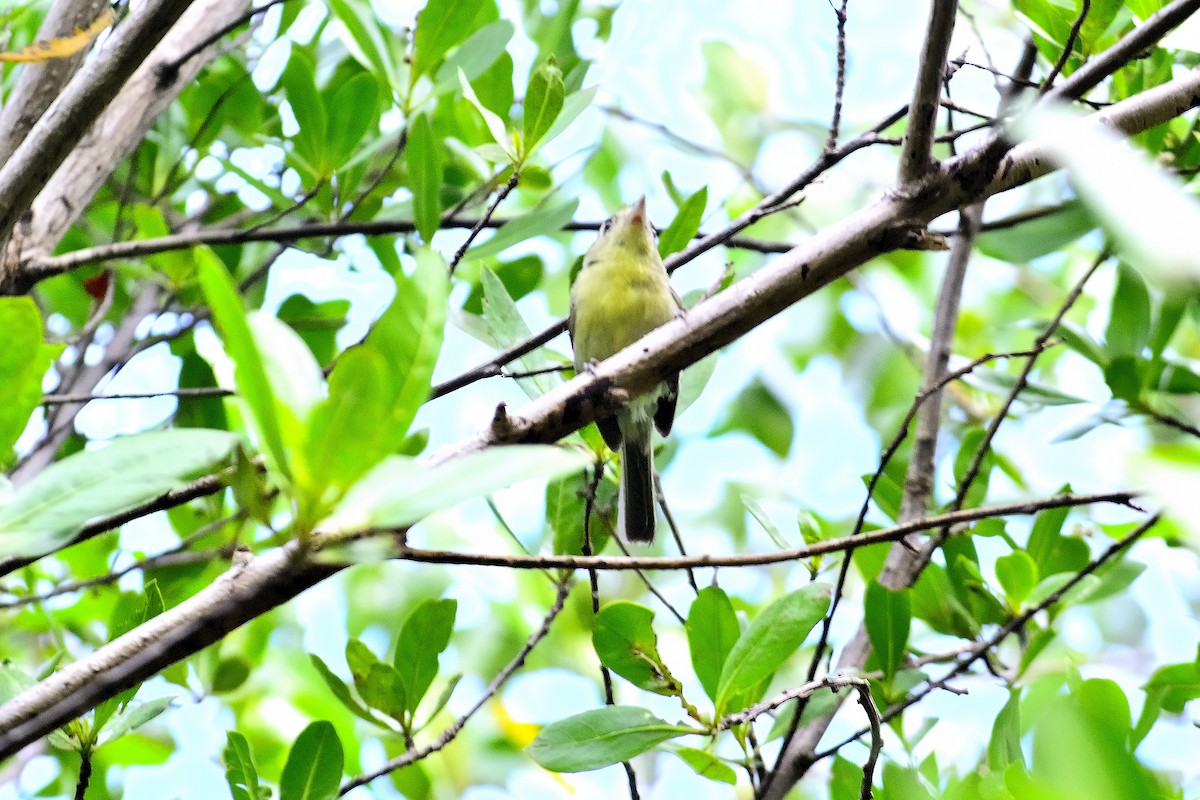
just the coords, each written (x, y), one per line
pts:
(893, 533)
(194, 391)
(487, 215)
(840, 82)
(1072, 37)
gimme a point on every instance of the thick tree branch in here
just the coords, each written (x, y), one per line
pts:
(78, 142)
(916, 157)
(71, 115)
(39, 83)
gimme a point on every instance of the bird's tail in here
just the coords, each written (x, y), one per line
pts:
(636, 520)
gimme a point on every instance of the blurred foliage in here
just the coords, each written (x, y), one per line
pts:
(339, 113)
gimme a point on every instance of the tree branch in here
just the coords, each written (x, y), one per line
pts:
(70, 116)
(916, 156)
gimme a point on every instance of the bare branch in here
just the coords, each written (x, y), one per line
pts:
(894, 533)
(38, 84)
(917, 153)
(68, 118)
(65, 184)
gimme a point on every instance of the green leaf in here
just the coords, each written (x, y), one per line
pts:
(707, 765)
(383, 689)
(712, 630)
(575, 104)
(1081, 592)
(687, 220)
(762, 518)
(887, 615)
(600, 738)
(475, 56)
(1004, 748)
(314, 765)
(342, 692)
(1114, 179)
(240, 772)
(1041, 236)
(249, 371)
(565, 505)
(441, 25)
(543, 102)
(353, 111)
(1018, 574)
(308, 107)
(423, 155)
(426, 633)
(24, 359)
(366, 35)
(759, 412)
(316, 323)
(774, 635)
(401, 491)
(51, 510)
(133, 717)
(355, 414)
(409, 336)
(626, 643)
(542, 221)
(507, 328)
(1128, 330)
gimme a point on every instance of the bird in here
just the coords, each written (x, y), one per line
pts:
(621, 293)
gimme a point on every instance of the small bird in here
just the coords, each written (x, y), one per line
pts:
(621, 294)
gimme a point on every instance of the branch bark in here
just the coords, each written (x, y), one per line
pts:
(916, 157)
(97, 121)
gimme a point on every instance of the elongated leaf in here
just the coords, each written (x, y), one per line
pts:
(308, 107)
(24, 359)
(240, 772)
(774, 635)
(348, 431)
(676, 236)
(887, 615)
(543, 102)
(543, 221)
(441, 25)
(352, 112)
(425, 171)
(426, 633)
(133, 717)
(314, 765)
(365, 34)
(49, 511)
(1114, 180)
(249, 371)
(342, 692)
(409, 336)
(1128, 328)
(1040, 236)
(600, 738)
(625, 643)
(507, 328)
(706, 764)
(712, 629)
(476, 55)
(401, 491)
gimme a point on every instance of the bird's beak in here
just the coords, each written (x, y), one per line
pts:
(638, 211)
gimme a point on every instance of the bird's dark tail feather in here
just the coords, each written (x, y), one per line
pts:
(637, 490)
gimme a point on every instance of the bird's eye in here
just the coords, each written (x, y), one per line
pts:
(606, 225)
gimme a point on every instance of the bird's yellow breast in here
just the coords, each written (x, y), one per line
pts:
(616, 301)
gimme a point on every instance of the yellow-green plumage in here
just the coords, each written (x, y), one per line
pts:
(621, 294)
